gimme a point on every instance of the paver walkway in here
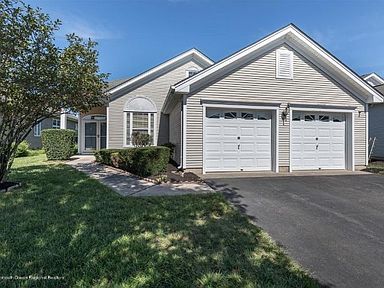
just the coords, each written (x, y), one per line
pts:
(127, 184)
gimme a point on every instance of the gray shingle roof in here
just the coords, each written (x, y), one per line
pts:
(114, 83)
(380, 88)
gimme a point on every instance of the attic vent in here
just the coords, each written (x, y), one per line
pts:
(284, 64)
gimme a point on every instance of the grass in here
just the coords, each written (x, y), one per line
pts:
(376, 167)
(62, 223)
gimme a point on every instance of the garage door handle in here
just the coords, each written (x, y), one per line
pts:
(317, 146)
(238, 147)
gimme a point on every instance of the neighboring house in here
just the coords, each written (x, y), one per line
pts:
(373, 79)
(376, 118)
(283, 103)
(63, 121)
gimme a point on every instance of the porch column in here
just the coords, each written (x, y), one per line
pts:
(79, 135)
(63, 120)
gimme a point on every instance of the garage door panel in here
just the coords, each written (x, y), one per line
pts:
(319, 143)
(228, 147)
(230, 162)
(248, 147)
(229, 130)
(324, 132)
(213, 130)
(263, 131)
(241, 140)
(213, 163)
(338, 148)
(247, 131)
(212, 147)
(308, 132)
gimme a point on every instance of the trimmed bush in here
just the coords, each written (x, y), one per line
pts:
(171, 147)
(58, 143)
(22, 149)
(105, 156)
(142, 161)
(141, 139)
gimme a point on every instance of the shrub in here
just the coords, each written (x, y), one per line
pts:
(105, 156)
(58, 143)
(23, 149)
(171, 147)
(141, 140)
(142, 161)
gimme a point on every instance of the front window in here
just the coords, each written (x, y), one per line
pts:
(56, 123)
(37, 130)
(141, 122)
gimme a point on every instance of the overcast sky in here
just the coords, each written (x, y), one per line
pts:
(135, 35)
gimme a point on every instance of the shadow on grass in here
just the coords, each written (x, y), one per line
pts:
(62, 223)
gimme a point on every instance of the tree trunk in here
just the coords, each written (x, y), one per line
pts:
(4, 165)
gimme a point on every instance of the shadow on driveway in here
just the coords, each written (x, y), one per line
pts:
(332, 225)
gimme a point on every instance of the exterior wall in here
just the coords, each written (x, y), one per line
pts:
(376, 129)
(256, 81)
(175, 130)
(35, 141)
(157, 91)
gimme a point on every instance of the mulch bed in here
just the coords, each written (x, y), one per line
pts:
(174, 175)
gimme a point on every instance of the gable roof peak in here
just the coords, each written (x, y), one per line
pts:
(193, 53)
(300, 41)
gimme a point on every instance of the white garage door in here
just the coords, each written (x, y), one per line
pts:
(237, 140)
(318, 140)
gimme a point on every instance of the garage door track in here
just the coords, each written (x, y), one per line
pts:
(332, 225)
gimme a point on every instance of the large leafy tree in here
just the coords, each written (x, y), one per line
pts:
(38, 79)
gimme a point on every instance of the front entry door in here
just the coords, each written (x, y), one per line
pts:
(95, 134)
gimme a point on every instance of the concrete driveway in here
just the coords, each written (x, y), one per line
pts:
(332, 225)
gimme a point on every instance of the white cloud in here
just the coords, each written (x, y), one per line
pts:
(96, 31)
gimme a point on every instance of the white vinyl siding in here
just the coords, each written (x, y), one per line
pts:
(256, 82)
(157, 90)
(175, 131)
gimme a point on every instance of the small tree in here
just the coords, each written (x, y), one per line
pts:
(38, 79)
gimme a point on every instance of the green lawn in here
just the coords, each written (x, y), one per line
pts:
(376, 167)
(62, 223)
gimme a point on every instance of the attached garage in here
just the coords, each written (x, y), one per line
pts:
(236, 139)
(281, 104)
(321, 140)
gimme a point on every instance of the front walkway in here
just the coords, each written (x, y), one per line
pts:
(127, 184)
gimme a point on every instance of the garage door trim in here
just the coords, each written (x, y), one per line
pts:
(274, 134)
(350, 128)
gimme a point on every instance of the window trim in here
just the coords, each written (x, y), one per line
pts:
(37, 128)
(55, 126)
(279, 52)
(130, 115)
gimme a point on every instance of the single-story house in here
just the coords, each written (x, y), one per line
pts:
(376, 118)
(283, 103)
(62, 121)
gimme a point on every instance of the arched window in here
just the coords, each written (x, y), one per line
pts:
(140, 117)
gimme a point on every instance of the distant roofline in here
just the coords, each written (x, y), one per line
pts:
(191, 52)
